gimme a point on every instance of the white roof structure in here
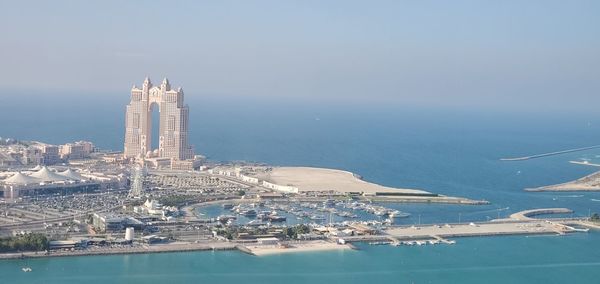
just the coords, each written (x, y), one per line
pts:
(44, 174)
(72, 175)
(37, 168)
(21, 179)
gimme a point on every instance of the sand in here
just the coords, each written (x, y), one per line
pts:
(305, 246)
(320, 179)
(587, 183)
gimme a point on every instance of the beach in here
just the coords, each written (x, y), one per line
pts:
(308, 179)
(587, 183)
(295, 247)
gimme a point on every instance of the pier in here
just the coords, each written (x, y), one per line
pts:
(549, 154)
(520, 223)
(528, 214)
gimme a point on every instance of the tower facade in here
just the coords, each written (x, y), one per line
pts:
(173, 128)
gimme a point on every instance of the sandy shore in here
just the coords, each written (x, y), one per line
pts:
(587, 183)
(308, 246)
(320, 179)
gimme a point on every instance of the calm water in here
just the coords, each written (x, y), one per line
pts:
(445, 151)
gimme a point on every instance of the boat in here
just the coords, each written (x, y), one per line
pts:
(248, 213)
(399, 214)
(227, 206)
(275, 218)
(26, 269)
(262, 216)
(317, 217)
(225, 218)
(256, 223)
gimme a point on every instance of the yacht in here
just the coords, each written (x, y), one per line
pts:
(317, 217)
(275, 218)
(399, 214)
(248, 213)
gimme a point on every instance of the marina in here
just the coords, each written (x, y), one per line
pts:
(328, 211)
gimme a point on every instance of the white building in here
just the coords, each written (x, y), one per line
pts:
(282, 188)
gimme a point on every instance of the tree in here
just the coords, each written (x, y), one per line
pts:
(595, 217)
(289, 232)
(293, 232)
(26, 242)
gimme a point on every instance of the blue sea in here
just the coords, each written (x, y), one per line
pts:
(453, 151)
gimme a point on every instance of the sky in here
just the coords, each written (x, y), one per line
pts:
(475, 54)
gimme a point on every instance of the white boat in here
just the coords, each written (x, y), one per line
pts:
(26, 269)
(399, 214)
(256, 223)
(317, 217)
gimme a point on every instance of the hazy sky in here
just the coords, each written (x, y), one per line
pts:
(479, 53)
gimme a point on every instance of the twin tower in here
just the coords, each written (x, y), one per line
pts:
(173, 129)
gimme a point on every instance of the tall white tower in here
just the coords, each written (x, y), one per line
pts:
(173, 128)
(138, 174)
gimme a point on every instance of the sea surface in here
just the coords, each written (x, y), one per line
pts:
(449, 151)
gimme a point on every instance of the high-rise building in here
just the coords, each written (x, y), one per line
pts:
(173, 128)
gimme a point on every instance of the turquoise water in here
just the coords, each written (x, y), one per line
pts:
(540, 259)
(452, 152)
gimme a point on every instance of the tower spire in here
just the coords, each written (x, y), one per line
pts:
(165, 86)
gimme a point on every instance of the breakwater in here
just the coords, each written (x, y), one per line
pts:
(549, 154)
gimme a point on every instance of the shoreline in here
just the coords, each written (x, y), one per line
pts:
(519, 223)
(297, 247)
(589, 183)
(255, 250)
(163, 248)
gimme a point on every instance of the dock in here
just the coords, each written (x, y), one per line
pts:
(519, 223)
(528, 214)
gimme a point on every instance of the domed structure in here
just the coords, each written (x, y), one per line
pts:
(36, 168)
(72, 175)
(21, 179)
(45, 175)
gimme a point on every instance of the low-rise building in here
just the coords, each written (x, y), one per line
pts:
(77, 150)
(114, 223)
(50, 153)
(267, 241)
